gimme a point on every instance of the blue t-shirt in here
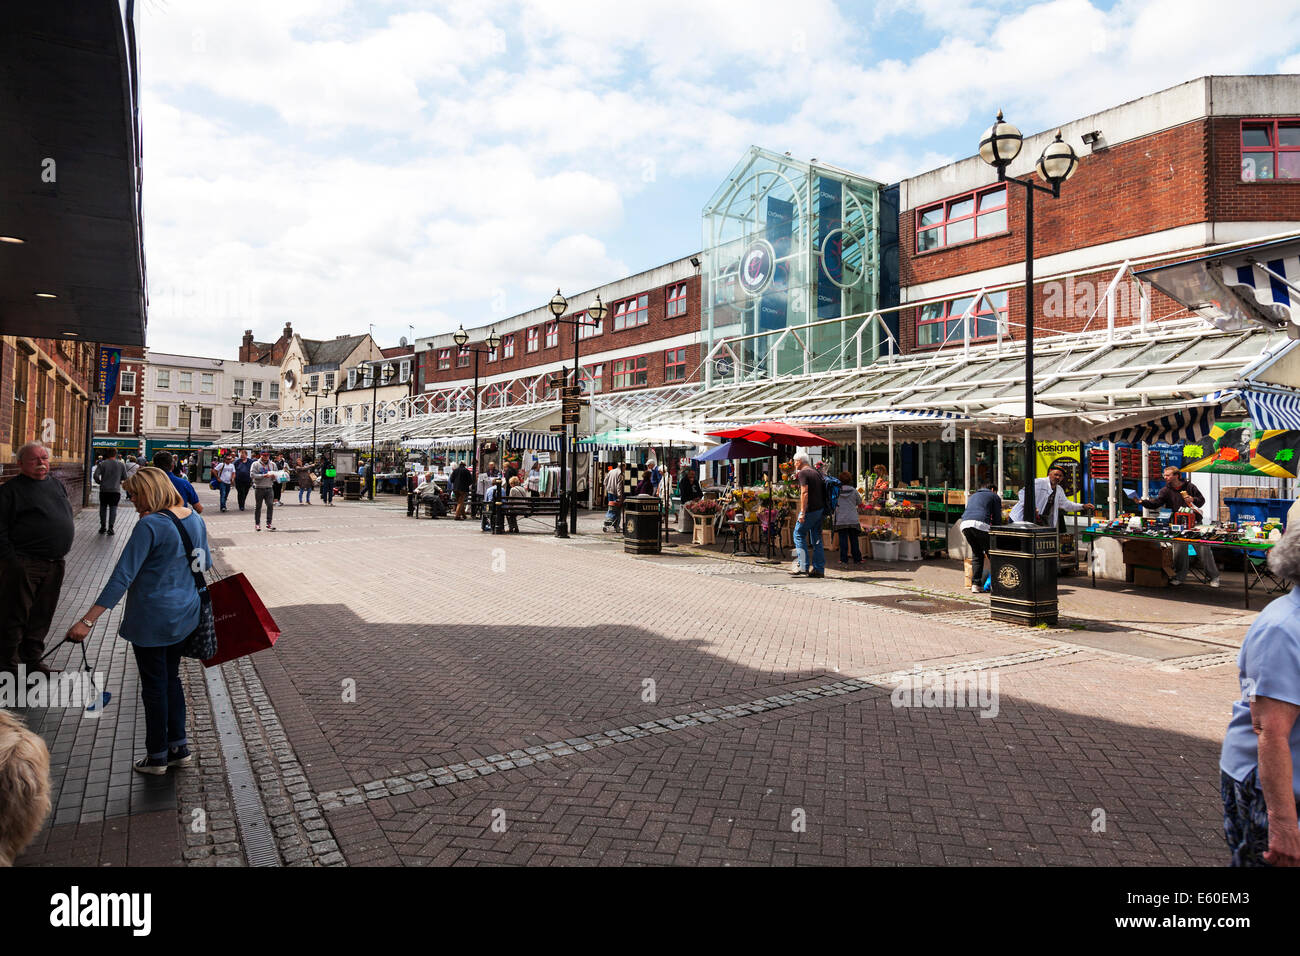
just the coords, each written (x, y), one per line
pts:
(1268, 666)
(187, 492)
(162, 603)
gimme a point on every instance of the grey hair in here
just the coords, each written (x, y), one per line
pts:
(1284, 557)
(30, 446)
(801, 456)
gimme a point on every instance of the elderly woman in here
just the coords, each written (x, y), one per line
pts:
(1260, 762)
(162, 609)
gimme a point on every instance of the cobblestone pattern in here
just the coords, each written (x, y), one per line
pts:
(206, 816)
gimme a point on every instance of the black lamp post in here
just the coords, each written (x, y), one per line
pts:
(243, 404)
(188, 411)
(316, 394)
(490, 344)
(596, 313)
(999, 146)
(385, 371)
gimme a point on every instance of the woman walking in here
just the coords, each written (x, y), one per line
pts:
(305, 479)
(846, 519)
(162, 610)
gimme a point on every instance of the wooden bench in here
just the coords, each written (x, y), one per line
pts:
(523, 507)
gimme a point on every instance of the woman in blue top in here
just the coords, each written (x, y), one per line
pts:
(162, 609)
(1259, 767)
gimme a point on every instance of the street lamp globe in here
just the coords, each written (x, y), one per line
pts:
(1058, 162)
(558, 304)
(597, 311)
(493, 340)
(1000, 144)
(461, 338)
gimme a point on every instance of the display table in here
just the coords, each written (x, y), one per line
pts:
(1251, 573)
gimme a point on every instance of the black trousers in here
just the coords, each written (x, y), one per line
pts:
(29, 593)
(108, 507)
(241, 489)
(979, 547)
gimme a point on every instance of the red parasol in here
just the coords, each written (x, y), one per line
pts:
(778, 432)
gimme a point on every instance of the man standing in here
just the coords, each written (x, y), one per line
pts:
(808, 527)
(263, 473)
(983, 512)
(461, 482)
(613, 496)
(1050, 501)
(243, 480)
(225, 478)
(1180, 493)
(170, 463)
(109, 474)
(36, 531)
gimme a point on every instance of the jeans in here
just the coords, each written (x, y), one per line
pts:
(163, 697)
(979, 547)
(108, 507)
(809, 528)
(327, 490)
(611, 511)
(849, 538)
(224, 488)
(266, 495)
(301, 492)
(241, 489)
(1182, 560)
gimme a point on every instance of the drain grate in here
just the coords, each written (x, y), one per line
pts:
(917, 604)
(250, 814)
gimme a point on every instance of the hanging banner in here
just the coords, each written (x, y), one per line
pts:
(830, 245)
(110, 362)
(1236, 448)
(772, 305)
(1066, 455)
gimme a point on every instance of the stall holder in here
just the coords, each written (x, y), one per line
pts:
(1254, 570)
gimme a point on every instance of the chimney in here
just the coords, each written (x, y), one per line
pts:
(246, 347)
(288, 330)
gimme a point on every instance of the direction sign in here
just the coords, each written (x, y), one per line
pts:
(558, 428)
(570, 419)
(571, 391)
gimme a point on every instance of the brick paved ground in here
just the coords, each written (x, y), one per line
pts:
(454, 697)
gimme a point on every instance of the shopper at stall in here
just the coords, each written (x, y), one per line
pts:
(278, 487)
(983, 512)
(846, 523)
(810, 559)
(1181, 493)
(880, 487)
(534, 483)
(1051, 501)
(1260, 761)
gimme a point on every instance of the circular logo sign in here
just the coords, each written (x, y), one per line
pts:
(1009, 577)
(756, 267)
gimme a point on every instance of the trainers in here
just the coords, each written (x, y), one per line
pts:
(179, 757)
(1175, 582)
(270, 527)
(103, 530)
(798, 574)
(975, 589)
(816, 574)
(257, 527)
(155, 766)
(1215, 582)
(110, 531)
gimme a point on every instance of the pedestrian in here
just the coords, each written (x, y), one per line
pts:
(517, 490)
(263, 475)
(534, 483)
(880, 487)
(327, 473)
(810, 559)
(225, 475)
(614, 485)
(162, 610)
(243, 480)
(491, 493)
(132, 466)
(646, 484)
(1050, 501)
(278, 487)
(461, 482)
(170, 464)
(36, 532)
(846, 519)
(983, 512)
(1178, 493)
(1259, 766)
(305, 481)
(109, 474)
(510, 471)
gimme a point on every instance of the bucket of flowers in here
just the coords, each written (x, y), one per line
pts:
(703, 512)
(884, 543)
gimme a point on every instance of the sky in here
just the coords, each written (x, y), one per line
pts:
(406, 167)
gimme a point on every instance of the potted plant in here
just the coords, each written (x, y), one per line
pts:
(703, 512)
(884, 543)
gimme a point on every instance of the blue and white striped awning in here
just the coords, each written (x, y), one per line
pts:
(1273, 410)
(1272, 280)
(1187, 424)
(536, 441)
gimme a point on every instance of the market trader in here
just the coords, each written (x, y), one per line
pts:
(1051, 500)
(1180, 493)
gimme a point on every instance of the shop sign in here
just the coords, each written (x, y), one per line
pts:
(1066, 455)
(110, 362)
(756, 267)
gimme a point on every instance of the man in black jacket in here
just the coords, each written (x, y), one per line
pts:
(36, 531)
(461, 482)
(243, 480)
(1180, 493)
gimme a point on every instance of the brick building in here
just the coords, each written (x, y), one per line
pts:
(120, 423)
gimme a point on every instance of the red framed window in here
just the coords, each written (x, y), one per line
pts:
(552, 334)
(676, 300)
(940, 322)
(631, 312)
(585, 331)
(593, 379)
(972, 215)
(1270, 149)
(530, 340)
(631, 372)
(508, 346)
(444, 359)
(492, 354)
(462, 359)
(495, 395)
(675, 365)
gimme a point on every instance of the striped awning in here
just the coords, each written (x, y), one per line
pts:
(536, 441)
(1274, 281)
(1273, 410)
(1188, 424)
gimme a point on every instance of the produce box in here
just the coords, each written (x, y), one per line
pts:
(1153, 555)
(968, 572)
(909, 529)
(956, 498)
(1148, 578)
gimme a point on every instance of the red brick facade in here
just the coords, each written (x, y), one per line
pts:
(132, 364)
(265, 353)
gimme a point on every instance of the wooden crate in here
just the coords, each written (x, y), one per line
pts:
(956, 498)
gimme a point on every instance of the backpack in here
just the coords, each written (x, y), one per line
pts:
(831, 491)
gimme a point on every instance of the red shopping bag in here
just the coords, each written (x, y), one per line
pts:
(243, 623)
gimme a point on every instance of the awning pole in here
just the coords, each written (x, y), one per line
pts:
(1146, 477)
(858, 460)
(1001, 477)
(891, 455)
(1110, 479)
(966, 466)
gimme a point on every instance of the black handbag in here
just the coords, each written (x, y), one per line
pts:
(202, 641)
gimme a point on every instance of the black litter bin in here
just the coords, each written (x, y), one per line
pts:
(1023, 559)
(641, 527)
(352, 487)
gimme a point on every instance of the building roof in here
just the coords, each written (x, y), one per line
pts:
(320, 354)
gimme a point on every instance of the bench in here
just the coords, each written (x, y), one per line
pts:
(524, 507)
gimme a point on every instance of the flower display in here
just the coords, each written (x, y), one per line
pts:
(704, 507)
(884, 532)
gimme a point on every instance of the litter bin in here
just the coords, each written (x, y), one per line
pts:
(1023, 559)
(641, 528)
(352, 487)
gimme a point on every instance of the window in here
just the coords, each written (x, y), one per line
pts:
(404, 375)
(186, 382)
(347, 411)
(126, 384)
(675, 365)
(275, 390)
(586, 331)
(969, 216)
(552, 334)
(327, 416)
(629, 373)
(495, 395)
(941, 321)
(164, 378)
(1270, 149)
(352, 379)
(492, 355)
(462, 359)
(273, 421)
(329, 381)
(101, 418)
(239, 388)
(125, 418)
(162, 416)
(444, 359)
(237, 419)
(631, 312)
(530, 340)
(676, 300)
(206, 383)
(205, 418)
(508, 346)
(315, 383)
(593, 379)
